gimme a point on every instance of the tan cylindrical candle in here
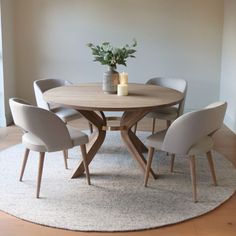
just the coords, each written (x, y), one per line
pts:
(122, 89)
(123, 78)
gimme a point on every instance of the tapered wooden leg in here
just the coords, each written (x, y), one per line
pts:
(153, 125)
(172, 163)
(84, 155)
(24, 163)
(148, 166)
(90, 128)
(193, 177)
(211, 165)
(65, 155)
(135, 127)
(40, 172)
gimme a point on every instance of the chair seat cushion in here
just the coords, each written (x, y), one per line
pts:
(204, 145)
(66, 114)
(35, 144)
(77, 136)
(156, 139)
(167, 113)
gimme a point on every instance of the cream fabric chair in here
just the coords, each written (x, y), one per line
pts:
(45, 132)
(66, 114)
(190, 135)
(169, 113)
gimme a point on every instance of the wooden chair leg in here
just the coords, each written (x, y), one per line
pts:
(40, 172)
(172, 163)
(168, 122)
(135, 127)
(84, 155)
(193, 177)
(153, 125)
(211, 165)
(148, 166)
(90, 128)
(65, 155)
(24, 163)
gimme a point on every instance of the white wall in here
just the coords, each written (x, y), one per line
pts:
(228, 80)
(2, 105)
(180, 38)
(8, 56)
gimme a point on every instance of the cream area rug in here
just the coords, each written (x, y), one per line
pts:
(117, 199)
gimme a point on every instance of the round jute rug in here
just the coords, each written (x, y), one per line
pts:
(117, 199)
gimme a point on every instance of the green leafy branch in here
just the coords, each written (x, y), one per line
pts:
(106, 54)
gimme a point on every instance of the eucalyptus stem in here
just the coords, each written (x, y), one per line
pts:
(107, 54)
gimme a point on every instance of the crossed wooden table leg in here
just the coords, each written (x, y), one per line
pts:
(132, 142)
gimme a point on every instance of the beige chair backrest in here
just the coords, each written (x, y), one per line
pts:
(43, 124)
(191, 127)
(173, 83)
(42, 85)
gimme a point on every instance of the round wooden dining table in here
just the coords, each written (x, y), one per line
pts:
(92, 102)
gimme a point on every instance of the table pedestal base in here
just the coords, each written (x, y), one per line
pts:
(132, 142)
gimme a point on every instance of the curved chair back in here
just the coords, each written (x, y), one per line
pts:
(173, 83)
(43, 124)
(190, 128)
(42, 85)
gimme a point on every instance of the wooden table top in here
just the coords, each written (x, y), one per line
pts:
(91, 97)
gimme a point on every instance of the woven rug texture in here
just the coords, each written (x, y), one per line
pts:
(117, 199)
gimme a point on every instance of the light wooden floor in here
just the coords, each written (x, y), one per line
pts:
(221, 221)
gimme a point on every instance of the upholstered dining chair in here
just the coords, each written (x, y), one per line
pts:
(66, 114)
(168, 113)
(45, 132)
(190, 135)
